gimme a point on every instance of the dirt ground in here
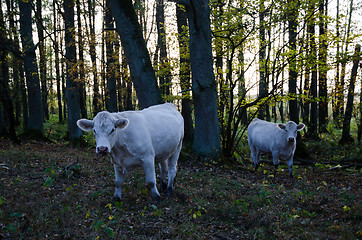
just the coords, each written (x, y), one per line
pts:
(53, 191)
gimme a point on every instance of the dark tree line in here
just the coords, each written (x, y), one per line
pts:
(80, 64)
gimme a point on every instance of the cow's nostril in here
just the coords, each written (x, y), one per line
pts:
(102, 149)
(291, 139)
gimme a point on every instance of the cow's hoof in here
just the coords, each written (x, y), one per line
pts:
(169, 192)
(163, 187)
(115, 199)
(156, 198)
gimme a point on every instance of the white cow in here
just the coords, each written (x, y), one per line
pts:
(134, 138)
(277, 139)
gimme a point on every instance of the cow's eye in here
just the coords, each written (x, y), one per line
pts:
(111, 131)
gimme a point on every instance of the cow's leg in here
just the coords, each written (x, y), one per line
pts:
(150, 174)
(172, 169)
(290, 166)
(254, 156)
(163, 174)
(118, 182)
(275, 161)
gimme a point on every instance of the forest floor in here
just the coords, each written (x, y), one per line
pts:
(53, 191)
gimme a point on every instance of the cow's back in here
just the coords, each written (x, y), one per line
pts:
(263, 135)
(159, 127)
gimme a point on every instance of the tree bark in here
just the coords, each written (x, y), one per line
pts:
(81, 68)
(263, 88)
(346, 137)
(93, 55)
(185, 72)
(57, 66)
(133, 43)
(5, 97)
(313, 124)
(35, 121)
(322, 67)
(111, 96)
(292, 82)
(206, 142)
(42, 60)
(164, 72)
(72, 92)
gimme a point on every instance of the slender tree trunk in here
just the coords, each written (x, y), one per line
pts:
(16, 62)
(5, 97)
(262, 61)
(313, 129)
(337, 108)
(135, 49)
(93, 55)
(344, 58)
(207, 130)
(72, 92)
(346, 137)
(185, 72)
(322, 67)
(35, 121)
(242, 89)
(81, 67)
(111, 96)
(57, 65)
(164, 66)
(42, 60)
(292, 82)
(127, 83)
(117, 65)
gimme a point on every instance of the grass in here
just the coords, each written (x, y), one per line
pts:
(39, 199)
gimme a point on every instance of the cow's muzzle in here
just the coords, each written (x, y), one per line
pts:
(102, 150)
(291, 139)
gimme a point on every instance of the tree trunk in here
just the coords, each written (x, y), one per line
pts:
(344, 58)
(207, 130)
(81, 68)
(93, 55)
(57, 65)
(322, 67)
(292, 82)
(164, 74)
(72, 92)
(133, 43)
(338, 90)
(16, 62)
(127, 84)
(185, 80)
(111, 96)
(242, 89)
(5, 97)
(42, 60)
(35, 121)
(263, 88)
(346, 137)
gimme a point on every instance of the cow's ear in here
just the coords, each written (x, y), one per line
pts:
(300, 126)
(85, 125)
(281, 126)
(121, 123)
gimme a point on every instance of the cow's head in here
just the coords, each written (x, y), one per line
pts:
(104, 126)
(291, 129)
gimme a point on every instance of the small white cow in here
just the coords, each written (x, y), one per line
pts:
(140, 138)
(277, 139)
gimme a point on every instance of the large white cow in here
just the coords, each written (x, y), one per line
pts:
(134, 138)
(277, 139)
